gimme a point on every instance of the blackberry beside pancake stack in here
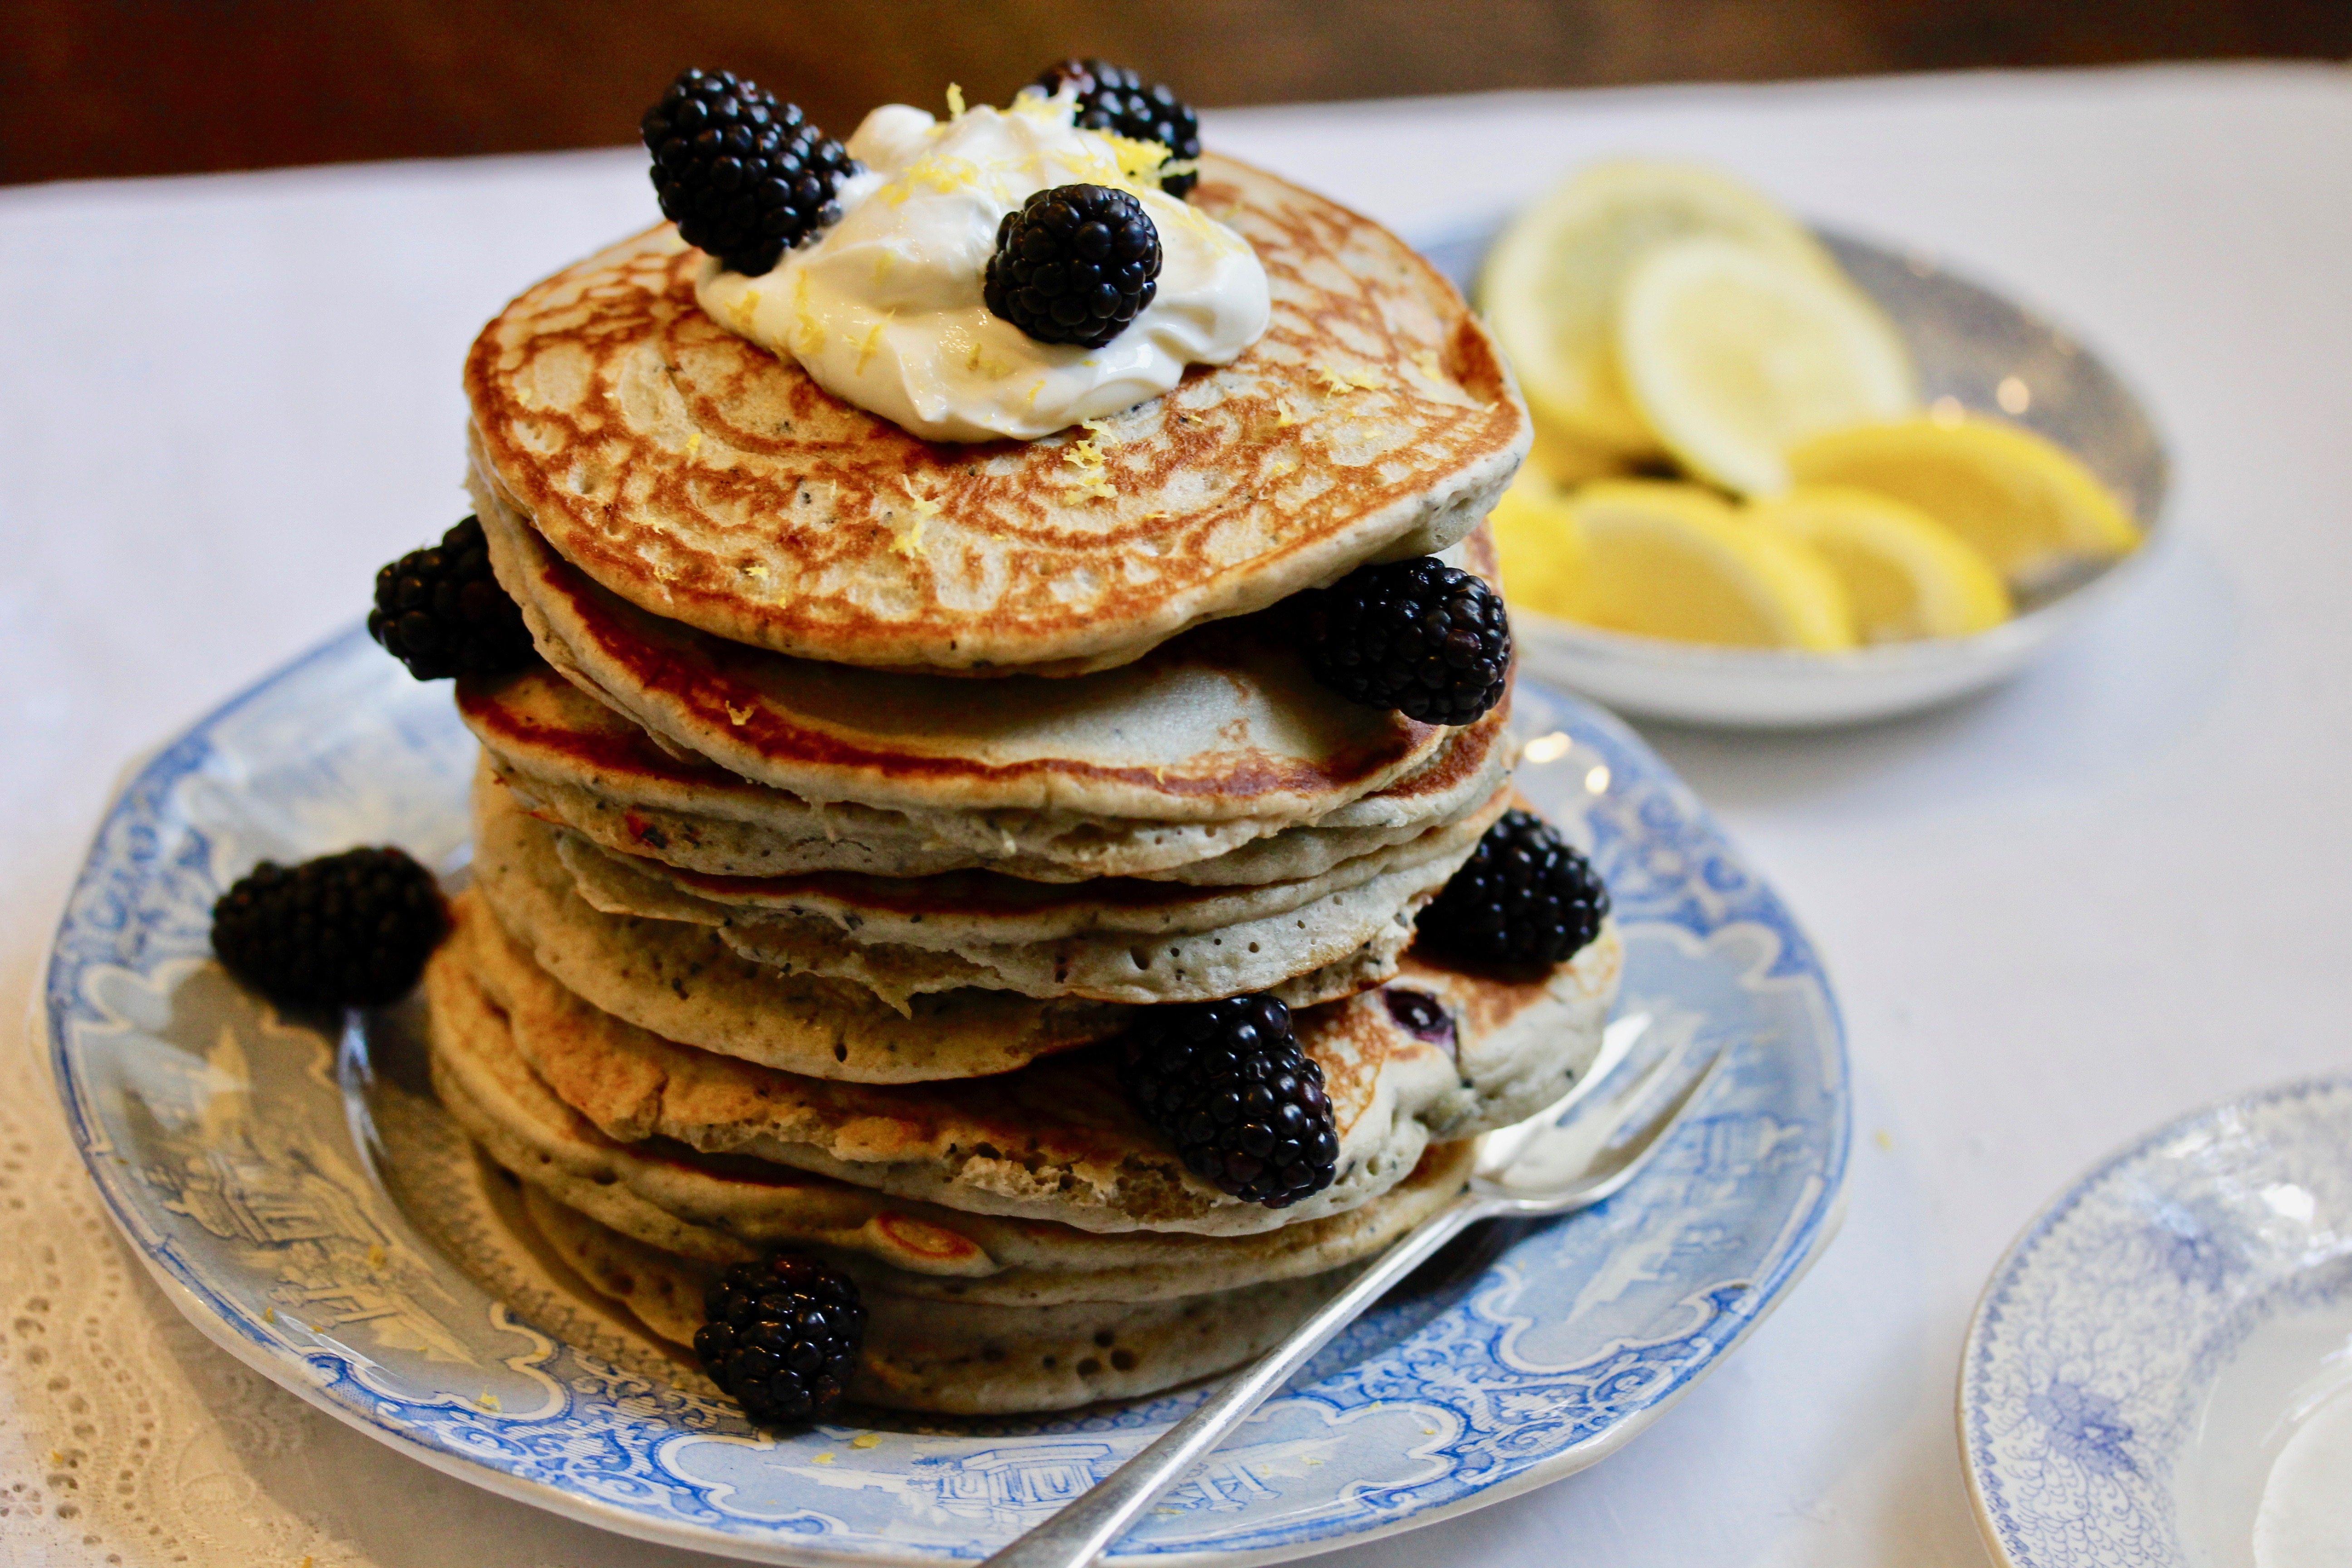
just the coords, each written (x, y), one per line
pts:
(890, 785)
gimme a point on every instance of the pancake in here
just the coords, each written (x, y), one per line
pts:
(706, 480)
(1404, 1066)
(1221, 725)
(966, 1359)
(721, 1211)
(1108, 940)
(688, 983)
(685, 981)
(572, 760)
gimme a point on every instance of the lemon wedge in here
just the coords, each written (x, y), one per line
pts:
(1906, 575)
(1668, 559)
(1540, 551)
(1732, 354)
(1552, 283)
(2028, 506)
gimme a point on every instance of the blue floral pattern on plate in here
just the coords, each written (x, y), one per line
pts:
(222, 1138)
(2088, 1412)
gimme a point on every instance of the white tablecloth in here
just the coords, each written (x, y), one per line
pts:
(2056, 916)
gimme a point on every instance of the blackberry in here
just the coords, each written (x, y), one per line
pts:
(1228, 1084)
(781, 1337)
(1424, 638)
(1523, 897)
(351, 930)
(440, 611)
(741, 175)
(1112, 98)
(1073, 265)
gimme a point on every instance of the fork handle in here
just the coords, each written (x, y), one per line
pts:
(1080, 1533)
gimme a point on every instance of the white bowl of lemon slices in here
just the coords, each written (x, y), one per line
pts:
(1785, 477)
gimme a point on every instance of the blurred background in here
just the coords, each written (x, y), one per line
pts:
(96, 88)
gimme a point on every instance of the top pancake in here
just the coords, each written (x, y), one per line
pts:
(696, 475)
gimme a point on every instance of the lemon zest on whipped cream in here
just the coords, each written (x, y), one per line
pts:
(872, 338)
(955, 100)
(812, 331)
(1138, 156)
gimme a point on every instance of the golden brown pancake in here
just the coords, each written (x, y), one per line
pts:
(577, 762)
(1222, 724)
(967, 1358)
(732, 1210)
(1057, 1140)
(704, 479)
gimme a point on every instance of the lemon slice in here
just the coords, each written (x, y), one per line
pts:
(1536, 543)
(2028, 506)
(1667, 560)
(1906, 575)
(1550, 284)
(1733, 355)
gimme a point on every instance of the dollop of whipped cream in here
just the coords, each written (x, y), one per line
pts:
(883, 310)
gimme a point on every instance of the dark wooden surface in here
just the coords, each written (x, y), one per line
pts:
(140, 87)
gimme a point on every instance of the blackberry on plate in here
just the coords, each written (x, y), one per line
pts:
(1427, 639)
(1523, 896)
(742, 177)
(1073, 265)
(781, 1337)
(1112, 98)
(440, 611)
(1228, 1084)
(351, 930)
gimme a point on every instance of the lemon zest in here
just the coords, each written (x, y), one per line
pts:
(694, 443)
(1339, 382)
(873, 340)
(746, 306)
(1037, 106)
(1283, 417)
(1138, 156)
(487, 1401)
(1087, 457)
(955, 101)
(810, 329)
(1426, 362)
(867, 1440)
(757, 572)
(826, 1458)
(910, 544)
(737, 715)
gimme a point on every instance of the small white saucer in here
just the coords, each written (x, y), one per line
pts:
(2159, 1375)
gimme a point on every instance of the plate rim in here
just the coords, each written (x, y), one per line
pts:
(2016, 1257)
(1815, 1218)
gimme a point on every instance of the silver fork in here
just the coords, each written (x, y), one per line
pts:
(1531, 1170)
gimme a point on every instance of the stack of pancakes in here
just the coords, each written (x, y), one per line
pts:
(871, 787)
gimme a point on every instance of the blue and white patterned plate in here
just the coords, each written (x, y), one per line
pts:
(2160, 1373)
(284, 1188)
